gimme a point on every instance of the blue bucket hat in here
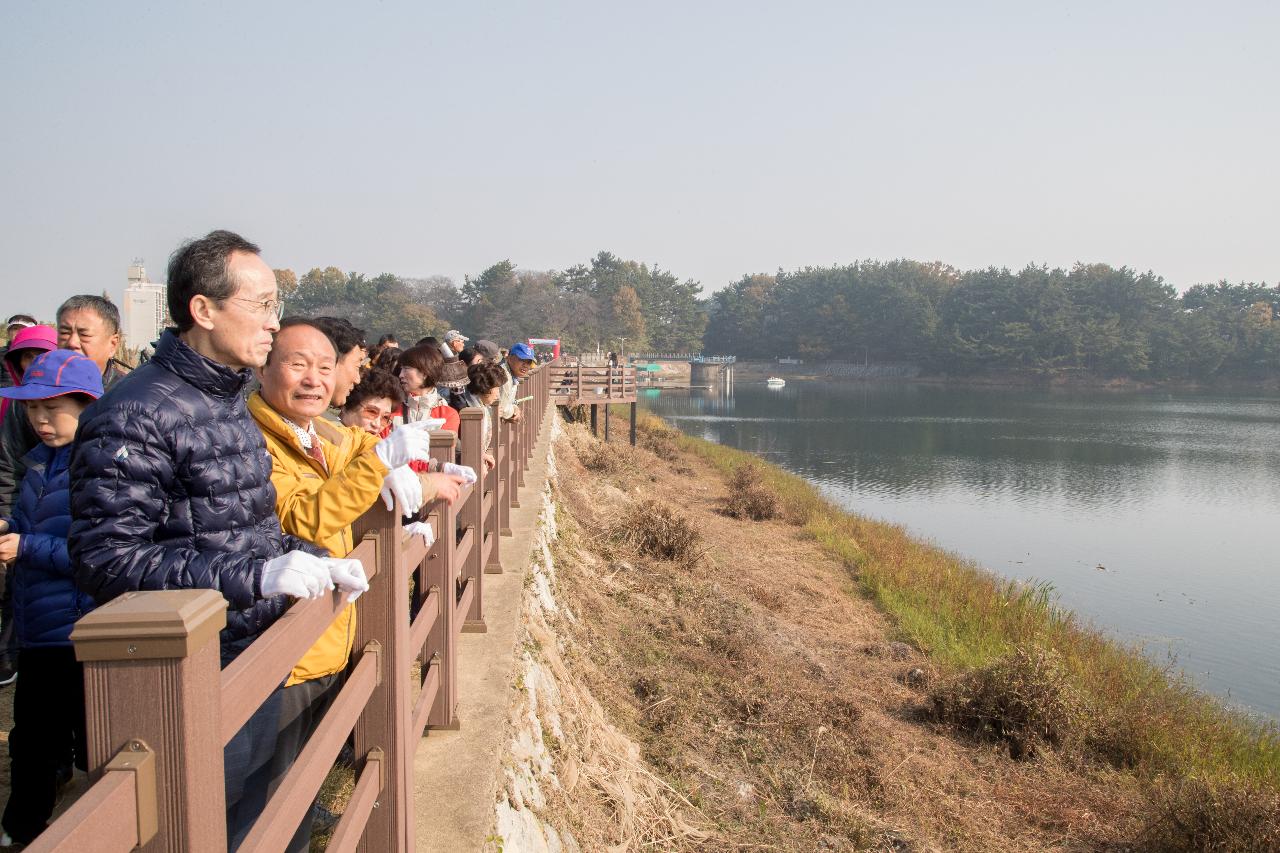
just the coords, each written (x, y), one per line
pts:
(524, 352)
(55, 373)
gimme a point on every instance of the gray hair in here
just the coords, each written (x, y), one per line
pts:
(100, 305)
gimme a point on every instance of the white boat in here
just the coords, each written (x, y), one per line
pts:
(775, 382)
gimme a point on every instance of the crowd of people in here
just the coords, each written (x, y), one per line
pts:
(236, 458)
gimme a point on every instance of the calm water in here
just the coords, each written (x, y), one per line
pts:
(1152, 514)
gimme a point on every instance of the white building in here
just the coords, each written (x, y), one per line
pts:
(145, 308)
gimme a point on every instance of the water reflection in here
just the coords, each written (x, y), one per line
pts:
(1173, 495)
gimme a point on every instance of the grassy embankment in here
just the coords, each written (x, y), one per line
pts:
(1118, 706)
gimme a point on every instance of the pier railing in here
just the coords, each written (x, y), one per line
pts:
(160, 709)
(573, 382)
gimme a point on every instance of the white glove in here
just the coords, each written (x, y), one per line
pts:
(296, 573)
(349, 576)
(423, 529)
(404, 444)
(466, 472)
(403, 485)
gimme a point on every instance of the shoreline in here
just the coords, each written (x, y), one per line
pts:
(749, 370)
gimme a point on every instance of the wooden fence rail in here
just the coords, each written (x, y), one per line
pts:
(159, 708)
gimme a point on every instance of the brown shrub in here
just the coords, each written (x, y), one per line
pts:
(656, 530)
(749, 497)
(661, 442)
(1024, 699)
(600, 457)
(1195, 814)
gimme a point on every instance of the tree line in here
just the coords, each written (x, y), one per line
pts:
(606, 302)
(1093, 319)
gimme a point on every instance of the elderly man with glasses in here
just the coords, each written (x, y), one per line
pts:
(171, 482)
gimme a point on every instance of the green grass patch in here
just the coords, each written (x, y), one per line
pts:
(1139, 715)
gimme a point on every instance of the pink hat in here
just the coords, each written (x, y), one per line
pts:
(42, 338)
(39, 338)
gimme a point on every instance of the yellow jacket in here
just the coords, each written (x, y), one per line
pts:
(320, 506)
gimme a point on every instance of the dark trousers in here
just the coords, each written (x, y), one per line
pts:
(303, 706)
(48, 732)
(8, 636)
(246, 768)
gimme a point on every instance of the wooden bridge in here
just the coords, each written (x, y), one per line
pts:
(575, 383)
(159, 708)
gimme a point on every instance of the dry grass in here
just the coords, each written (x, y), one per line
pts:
(754, 686)
(1141, 717)
(601, 458)
(749, 497)
(1193, 814)
(1025, 700)
(656, 530)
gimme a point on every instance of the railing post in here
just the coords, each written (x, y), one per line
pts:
(384, 617)
(522, 459)
(490, 491)
(152, 675)
(513, 463)
(502, 442)
(442, 572)
(471, 433)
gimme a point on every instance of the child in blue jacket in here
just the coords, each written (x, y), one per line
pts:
(48, 705)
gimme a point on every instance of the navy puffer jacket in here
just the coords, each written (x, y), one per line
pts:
(46, 602)
(171, 489)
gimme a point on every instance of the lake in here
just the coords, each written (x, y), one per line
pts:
(1153, 514)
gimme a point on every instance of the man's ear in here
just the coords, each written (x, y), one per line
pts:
(202, 310)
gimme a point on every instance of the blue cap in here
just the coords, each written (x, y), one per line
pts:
(57, 372)
(524, 352)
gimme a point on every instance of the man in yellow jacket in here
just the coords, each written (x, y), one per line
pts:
(326, 476)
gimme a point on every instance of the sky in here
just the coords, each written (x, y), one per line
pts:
(711, 139)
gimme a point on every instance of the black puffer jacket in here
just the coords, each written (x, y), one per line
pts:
(171, 489)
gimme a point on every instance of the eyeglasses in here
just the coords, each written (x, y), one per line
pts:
(377, 415)
(264, 307)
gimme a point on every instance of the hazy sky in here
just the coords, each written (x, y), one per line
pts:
(712, 139)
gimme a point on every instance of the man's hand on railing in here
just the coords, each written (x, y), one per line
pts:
(442, 486)
(406, 443)
(466, 472)
(402, 490)
(423, 529)
(349, 576)
(297, 574)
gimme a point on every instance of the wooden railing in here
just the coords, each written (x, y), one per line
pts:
(159, 709)
(574, 383)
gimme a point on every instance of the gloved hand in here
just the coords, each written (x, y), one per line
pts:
(423, 529)
(403, 485)
(405, 444)
(466, 472)
(296, 573)
(349, 576)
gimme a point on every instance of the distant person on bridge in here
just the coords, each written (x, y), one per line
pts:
(326, 476)
(488, 351)
(171, 482)
(13, 326)
(519, 361)
(349, 343)
(387, 340)
(484, 384)
(454, 343)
